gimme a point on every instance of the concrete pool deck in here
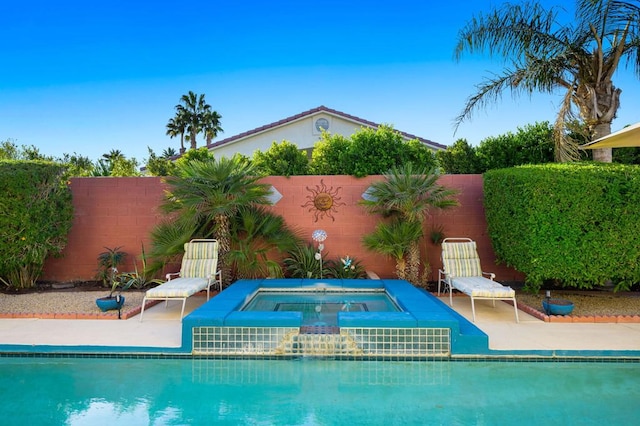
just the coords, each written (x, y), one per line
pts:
(162, 331)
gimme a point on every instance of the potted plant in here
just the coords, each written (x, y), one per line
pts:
(108, 262)
(113, 301)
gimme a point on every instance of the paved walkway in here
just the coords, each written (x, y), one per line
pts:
(162, 329)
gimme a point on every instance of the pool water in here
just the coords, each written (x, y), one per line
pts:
(94, 391)
(320, 308)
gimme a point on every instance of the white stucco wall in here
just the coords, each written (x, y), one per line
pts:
(301, 132)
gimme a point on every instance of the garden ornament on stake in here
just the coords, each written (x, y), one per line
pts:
(319, 236)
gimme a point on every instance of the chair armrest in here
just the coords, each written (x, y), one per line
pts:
(491, 275)
(172, 274)
(442, 273)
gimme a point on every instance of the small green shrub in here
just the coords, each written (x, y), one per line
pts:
(346, 267)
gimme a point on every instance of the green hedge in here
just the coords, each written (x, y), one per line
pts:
(35, 218)
(578, 224)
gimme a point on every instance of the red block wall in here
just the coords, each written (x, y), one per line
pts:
(111, 212)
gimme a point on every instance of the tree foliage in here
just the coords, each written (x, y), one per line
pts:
(368, 152)
(330, 155)
(459, 158)
(281, 159)
(160, 165)
(542, 55)
(35, 218)
(531, 144)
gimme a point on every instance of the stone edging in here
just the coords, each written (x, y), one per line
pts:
(577, 318)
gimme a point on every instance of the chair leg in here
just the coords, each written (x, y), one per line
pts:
(515, 308)
(144, 302)
(184, 302)
(473, 310)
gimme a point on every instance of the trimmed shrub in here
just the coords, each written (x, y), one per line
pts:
(35, 218)
(577, 224)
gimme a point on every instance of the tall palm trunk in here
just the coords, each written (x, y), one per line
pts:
(401, 268)
(223, 235)
(413, 263)
(604, 155)
(192, 139)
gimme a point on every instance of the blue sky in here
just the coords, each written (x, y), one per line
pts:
(86, 77)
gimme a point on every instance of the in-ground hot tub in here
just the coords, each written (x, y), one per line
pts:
(335, 318)
(320, 306)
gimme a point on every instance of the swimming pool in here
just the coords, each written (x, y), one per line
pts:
(82, 391)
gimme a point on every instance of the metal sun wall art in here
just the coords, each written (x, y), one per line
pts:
(323, 201)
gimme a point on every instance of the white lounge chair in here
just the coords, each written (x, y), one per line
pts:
(198, 272)
(462, 271)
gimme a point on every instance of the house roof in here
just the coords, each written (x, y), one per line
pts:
(320, 109)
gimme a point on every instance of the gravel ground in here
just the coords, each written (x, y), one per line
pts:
(589, 303)
(53, 302)
(586, 303)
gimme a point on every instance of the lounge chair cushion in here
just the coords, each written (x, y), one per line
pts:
(461, 259)
(177, 288)
(199, 260)
(482, 287)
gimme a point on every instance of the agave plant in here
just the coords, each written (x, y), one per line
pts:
(140, 277)
(302, 263)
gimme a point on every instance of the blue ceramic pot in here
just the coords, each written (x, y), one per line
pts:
(557, 306)
(110, 303)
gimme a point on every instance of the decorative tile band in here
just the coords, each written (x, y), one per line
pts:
(349, 342)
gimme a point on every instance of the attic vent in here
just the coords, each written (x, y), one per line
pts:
(322, 124)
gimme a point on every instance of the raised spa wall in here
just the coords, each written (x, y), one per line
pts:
(421, 312)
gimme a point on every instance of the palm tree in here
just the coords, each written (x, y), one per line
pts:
(211, 125)
(544, 56)
(407, 195)
(394, 239)
(176, 127)
(205, 196)
(113, 155)
(168, 153)
(193, 116)
(256, 232)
